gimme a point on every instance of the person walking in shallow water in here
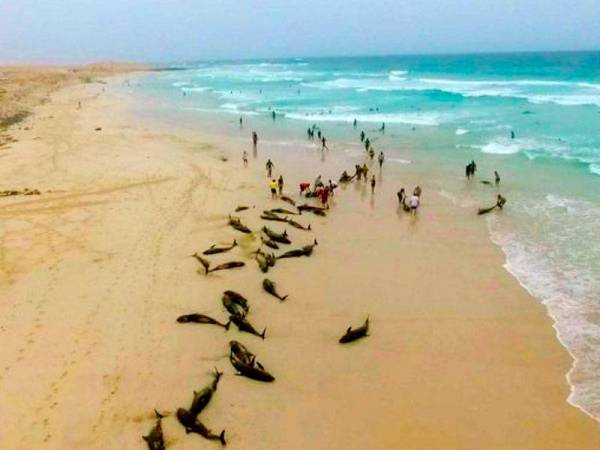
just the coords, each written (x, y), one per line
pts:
(245, 158)
(254, 138)
(269, 165)
(497, 177)
(380, 158)
(373, 184)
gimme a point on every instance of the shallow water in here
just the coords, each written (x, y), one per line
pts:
(445, 111)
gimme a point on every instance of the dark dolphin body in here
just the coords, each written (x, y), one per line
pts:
(245, 363)
(201, 318)
(320, 211)
(284, 211)
(244, 325)
(235, 304)
(269, 287)
(214, 249)
(267, 215)
(353, 335)
(240, 352)
(288, 200)
(226, 266)
(241, 208)
(298, 225)
(154, 438)
(270, 243)
(304, 251)
(203, 397)
(205, 263)
(277, 237)
(193, 425)
(237, 224)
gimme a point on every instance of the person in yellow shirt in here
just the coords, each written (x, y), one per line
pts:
(273, 185)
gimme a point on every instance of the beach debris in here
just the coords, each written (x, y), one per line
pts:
(285, 198)
(193, 425)
(243, 325)
(237, 224)
(282, 238)
(201, 318)
(299, 225)
(203, 397)
(304, 251)
(214, 249)
(269, 243)
(284, 211)
(352, 335)
(26, 191)
(246, 365)
(235, 304)
(154, 438)
(269, 286)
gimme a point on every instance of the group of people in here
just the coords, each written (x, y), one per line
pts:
(413, 203)
(311, 135)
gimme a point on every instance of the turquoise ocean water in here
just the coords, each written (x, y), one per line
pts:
(452, 109)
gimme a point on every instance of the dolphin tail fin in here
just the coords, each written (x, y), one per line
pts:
(316, 243)
(158, 415)
(227, 325)
(283, 298)
(234, 243)
(309, 228)
(222, 438)
(263, 333)
(146, 438)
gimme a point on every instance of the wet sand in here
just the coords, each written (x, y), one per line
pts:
(94, 274)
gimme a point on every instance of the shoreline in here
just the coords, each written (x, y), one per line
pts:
(426, 326)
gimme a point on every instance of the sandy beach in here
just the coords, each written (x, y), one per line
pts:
(95, 270)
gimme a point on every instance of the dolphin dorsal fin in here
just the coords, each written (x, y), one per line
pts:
(349, 330)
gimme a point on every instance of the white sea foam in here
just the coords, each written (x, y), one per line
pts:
(555, 255)
(423, 119)
(502, 147)
(595, 169)
(461, 131)
(399, 160)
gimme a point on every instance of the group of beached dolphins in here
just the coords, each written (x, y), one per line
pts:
(241, 358)
(238, 307)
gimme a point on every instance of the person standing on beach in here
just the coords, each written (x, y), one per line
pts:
(324, 144)
(373, 184)
(382, 129)
(269, 167)
(367, 144)
(414, 204)
(318, 183)
(401, 196)
(497, 177)
(280, 184)
(362, 136)
(371, 153)
(473, 167)
(245, 158)
(254, 138)
(273, 186)
(380, 158)
(365, 171)
(241, 122)
(355, 123)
